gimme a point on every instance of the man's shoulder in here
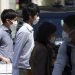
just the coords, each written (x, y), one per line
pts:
(1, 30)
(40, 46)
(22, 31)
(63, 45)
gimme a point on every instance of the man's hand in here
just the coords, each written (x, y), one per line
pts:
(5, 60)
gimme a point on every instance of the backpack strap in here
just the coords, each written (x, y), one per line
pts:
(68, 66)
(69, 48)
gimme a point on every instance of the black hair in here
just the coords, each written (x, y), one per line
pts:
(70, 21)
(8, 14)
(30, 10)
(44, 31)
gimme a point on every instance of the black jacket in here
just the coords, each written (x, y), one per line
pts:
(39, 60)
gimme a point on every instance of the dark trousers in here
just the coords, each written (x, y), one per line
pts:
(25, 72)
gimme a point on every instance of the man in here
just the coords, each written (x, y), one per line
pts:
(69, 40)
(8, 17)
(24, 41)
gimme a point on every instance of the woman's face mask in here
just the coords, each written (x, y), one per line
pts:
(52, 40)
(14, 24)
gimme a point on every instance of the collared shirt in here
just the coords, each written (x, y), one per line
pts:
(62, 59)
(24, 44)
(6, 43)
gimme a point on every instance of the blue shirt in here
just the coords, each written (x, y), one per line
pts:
(6, 43)
(62, 59)
(24, 44)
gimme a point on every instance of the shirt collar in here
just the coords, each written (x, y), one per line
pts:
(4, 27)
(28, 26)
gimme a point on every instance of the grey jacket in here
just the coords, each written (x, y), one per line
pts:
(62, 59)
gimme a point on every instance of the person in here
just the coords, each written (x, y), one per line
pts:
(24, 41)
(42, 55)
(69, 40)
(8, 17)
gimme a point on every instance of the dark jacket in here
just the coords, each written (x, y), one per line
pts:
(39, 60)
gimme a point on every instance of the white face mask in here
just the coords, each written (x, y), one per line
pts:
(15, 23)
(13, 28)
(52, 39)
(36, 21)
(65, 36)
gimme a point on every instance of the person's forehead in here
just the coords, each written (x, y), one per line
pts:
(15, 18)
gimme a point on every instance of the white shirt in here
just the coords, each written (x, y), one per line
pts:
(24, 44)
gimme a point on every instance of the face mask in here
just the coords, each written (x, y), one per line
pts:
(36, 21)
(13, 28)
(52, 39)
(15, 23)
(65, 36)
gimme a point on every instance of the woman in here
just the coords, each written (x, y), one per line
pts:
(42, 54)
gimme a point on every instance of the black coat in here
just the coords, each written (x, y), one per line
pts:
(39, 60)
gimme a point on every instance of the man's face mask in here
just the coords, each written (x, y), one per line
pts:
(66, 35)
(13, 28)
(36, 21)
(14, 23)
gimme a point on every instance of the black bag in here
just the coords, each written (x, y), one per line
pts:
(68, 67)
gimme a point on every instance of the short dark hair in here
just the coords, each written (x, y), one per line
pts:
(8, 14)
(70, 21)
(44, 31)
(30, 9)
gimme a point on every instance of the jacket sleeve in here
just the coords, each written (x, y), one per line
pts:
(19, 44)
(60, 60)
(38, 61)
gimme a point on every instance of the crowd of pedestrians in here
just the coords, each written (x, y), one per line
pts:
(37, 56)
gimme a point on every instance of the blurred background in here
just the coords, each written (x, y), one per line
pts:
(18, 4)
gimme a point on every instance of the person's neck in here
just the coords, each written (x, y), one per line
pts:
(29, 23)
(6, 25)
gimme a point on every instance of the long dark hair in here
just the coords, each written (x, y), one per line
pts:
(44, 31)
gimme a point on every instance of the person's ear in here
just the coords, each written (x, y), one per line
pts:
(8, 21)
(30, 17)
